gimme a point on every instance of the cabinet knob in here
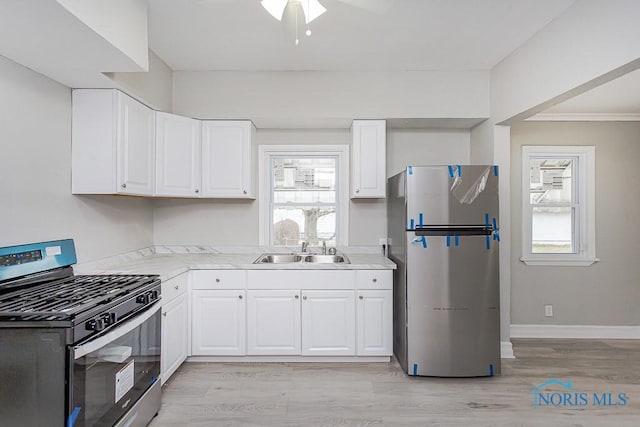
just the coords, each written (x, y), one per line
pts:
(361, 297)
(176, 287)
(217, 280)
(357, 191)
(244, 191)
(304, 297)
(197, 191)
(240, 296)
(374, 280)
(297, 296)
(124, 185)
(164, 314)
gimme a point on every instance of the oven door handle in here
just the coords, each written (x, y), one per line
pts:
(123, 329)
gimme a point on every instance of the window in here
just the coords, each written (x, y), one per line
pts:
(558, 205)
(302, 195)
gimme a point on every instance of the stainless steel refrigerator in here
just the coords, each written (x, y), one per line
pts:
(444, 238)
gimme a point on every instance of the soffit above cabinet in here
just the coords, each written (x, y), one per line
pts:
(73, 41)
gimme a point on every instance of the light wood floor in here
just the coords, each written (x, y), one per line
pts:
(327, 394)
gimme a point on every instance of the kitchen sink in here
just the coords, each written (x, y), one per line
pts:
(326, 259)
(278, 259)
(294, 258)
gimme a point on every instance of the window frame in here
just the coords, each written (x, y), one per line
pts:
(583, 176)
(266, 154)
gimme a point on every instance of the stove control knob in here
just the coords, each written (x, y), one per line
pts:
(142, 299)
(94, 325)
(154, 295)
(108, 319)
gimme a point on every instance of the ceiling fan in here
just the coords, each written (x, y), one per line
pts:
(311, 9)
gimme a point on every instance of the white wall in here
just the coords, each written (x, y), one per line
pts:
(607, 292)
(330, 99)
(35, 175)
(153, 88)
(236, 222)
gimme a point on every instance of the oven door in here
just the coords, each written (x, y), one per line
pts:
(111, 372)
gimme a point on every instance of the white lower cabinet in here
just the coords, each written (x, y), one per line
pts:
(219, 323)
(375, 322)
(273, 322)
(175, 325)
(328, 323)
(175, 317)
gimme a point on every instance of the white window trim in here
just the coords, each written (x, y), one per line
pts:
(586, 228)
(264, 172)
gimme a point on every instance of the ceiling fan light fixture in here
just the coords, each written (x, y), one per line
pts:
(312, 9)
(275, 7)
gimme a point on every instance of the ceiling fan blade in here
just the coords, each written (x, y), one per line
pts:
(312, 9)
(379, 7)
(275, 7)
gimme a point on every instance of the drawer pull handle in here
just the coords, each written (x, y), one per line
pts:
(375, 280)
(297, 296)
(176, 287)
(217, 280)
(361, 297)
(240, 296)
(304, 297)
(164, 314)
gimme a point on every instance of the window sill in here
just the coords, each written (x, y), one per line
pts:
(559, 262)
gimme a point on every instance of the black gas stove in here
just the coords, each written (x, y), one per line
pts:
(84, 350)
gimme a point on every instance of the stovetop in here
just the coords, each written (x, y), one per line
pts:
(69, 297)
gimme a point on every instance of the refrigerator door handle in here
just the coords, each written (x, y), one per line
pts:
(480, 230)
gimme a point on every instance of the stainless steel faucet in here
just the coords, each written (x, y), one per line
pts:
(304, 246)
(324, 247)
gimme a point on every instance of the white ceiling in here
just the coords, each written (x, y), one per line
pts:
(395, 35)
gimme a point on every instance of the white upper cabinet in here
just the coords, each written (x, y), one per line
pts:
(227, 158)
(177, 156)
(368, 159)
(113, 140)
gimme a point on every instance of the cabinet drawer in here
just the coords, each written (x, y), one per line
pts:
(301, 279)
(174, 287)
(219, 279)
(374, 279)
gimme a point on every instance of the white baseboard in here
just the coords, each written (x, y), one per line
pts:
(576, 331)
(506, 350)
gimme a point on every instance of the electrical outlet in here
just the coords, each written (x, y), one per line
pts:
(548, 310)
(382, 241)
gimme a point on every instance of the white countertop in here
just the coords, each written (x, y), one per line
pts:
(169, 262)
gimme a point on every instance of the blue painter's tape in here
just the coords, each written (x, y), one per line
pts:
(424, 242)
(495, 170)
(486, 220)
(71, 420)
(410, 170)
(415, 369)
(456, 239)
(488, 241)
(495, 224)
(448, 240)
(491, 369)
(459, 171)
(412, 224)
(420, 219)
(450, 171)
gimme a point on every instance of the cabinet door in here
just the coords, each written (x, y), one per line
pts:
(375, 323)
(135, 153)
(218, 323)
(273, 322)
(177, 156)
(174, 335)
(227, 159)
(368, 158)
(328, 323)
